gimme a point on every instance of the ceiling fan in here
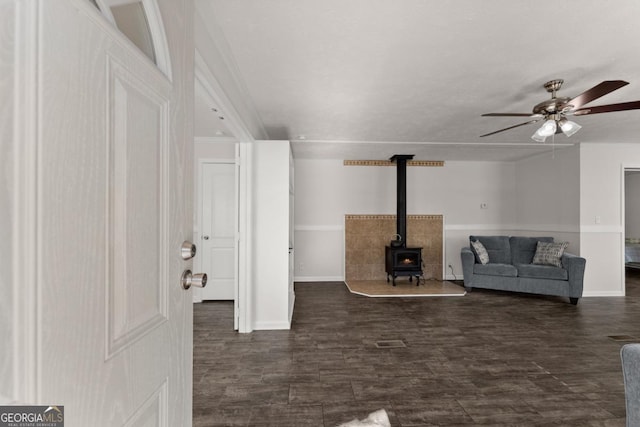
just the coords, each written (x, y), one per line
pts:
(554, 111)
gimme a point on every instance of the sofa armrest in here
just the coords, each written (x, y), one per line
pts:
(468, 259)
(575, 266)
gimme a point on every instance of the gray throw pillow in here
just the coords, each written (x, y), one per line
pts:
(550, 253)
(482, 253)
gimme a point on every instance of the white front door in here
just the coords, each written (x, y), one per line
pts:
(218, 216)
(114, 326)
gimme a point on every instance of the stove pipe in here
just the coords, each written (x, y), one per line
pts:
(401, 195)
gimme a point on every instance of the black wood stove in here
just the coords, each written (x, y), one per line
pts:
(399, 259)
(403, 262)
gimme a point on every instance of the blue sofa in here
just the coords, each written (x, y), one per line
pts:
(510, 268)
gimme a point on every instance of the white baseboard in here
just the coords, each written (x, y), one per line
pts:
(452, 277)
(603, 294)
(271, 326)
(318, 279)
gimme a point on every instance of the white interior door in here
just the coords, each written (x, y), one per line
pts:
(113, 206)
(218, 216)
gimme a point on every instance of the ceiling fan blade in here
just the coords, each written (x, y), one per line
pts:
(609, 108)
(511, 127)
(510, 115)
(596, 92)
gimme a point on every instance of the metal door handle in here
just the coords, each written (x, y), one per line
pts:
(189, 279)
(205, 237)
(187, 250)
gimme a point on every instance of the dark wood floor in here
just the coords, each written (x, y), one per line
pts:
(488, 358)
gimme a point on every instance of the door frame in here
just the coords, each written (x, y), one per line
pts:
(244, 250)
(215, 93)
(197, 232)
(623, 219)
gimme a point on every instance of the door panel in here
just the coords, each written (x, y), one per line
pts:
(113, 208)
(218, 230)
(137, 208)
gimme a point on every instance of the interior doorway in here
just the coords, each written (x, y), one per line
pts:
(216, 225)
(632, 231)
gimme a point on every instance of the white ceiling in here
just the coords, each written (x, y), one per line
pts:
(209, 120)
(370, 78)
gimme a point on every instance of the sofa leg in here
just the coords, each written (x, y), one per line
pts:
(574, 301)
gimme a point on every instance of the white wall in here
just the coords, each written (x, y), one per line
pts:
(270, 257)
(632, 204)
(210, 149)
(326, 190)
(548, 196)
(573, 194)
(601, 215)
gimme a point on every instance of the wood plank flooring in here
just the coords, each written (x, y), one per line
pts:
(489, 358)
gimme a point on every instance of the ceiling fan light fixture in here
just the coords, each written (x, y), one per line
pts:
(554, 109)
(568, 127)
(548, 128)
(538, 137)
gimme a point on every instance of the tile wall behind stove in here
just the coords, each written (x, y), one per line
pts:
(367, 235)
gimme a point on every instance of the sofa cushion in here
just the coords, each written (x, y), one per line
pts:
(524, 248)
(497, 247)
(480, 252)
(542, 272)
(493, 269)
(549, 253)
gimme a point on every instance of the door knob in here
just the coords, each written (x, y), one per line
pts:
(189, 279)
(187, 250)
(205, 237)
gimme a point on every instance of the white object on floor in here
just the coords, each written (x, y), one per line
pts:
(378, 418)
